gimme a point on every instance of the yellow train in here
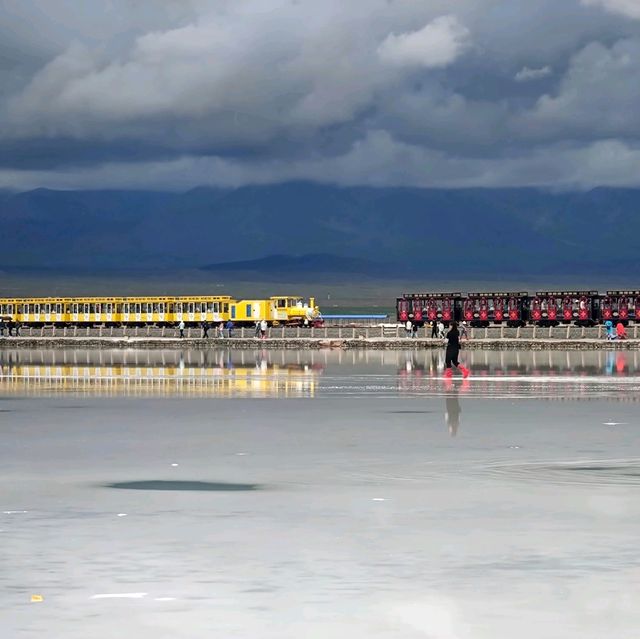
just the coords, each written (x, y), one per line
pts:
(159, 311)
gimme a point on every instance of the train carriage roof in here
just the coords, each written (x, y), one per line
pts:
(500, 294)
(561, 293)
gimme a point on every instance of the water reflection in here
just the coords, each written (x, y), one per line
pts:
(549, 375)
(219, 373)
(452, 410)
(329, 373)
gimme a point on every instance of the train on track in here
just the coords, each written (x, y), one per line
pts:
(159, 311)
(544, 308)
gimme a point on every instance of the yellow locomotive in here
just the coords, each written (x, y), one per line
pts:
(159, 311)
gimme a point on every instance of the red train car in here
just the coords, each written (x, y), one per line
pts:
(422, 308)
(482, 309)
(620, 306)
(550, 308)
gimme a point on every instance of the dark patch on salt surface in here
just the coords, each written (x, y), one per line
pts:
(605, 472)
(157, 484)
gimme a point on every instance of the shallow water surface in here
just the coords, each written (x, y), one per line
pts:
(319, 494)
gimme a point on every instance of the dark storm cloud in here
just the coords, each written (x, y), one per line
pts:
(172, 93)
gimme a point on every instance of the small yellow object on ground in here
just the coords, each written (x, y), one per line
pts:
(36, 598)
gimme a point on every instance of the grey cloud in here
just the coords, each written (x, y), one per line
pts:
(236, 91)
(629, 8)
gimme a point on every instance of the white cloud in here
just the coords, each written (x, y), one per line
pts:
(525, 74)
(436, 45)
(597, 98)
(629, 8)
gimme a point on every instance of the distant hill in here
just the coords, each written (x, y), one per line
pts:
(358, 230)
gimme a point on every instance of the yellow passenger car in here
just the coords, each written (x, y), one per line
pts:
(116, 310)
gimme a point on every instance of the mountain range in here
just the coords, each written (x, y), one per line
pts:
(311, 227)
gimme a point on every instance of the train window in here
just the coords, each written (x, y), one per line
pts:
(20, 309)
(58, 308)
(216, 307)
(47, 308)
(118, 308)
(190, 307)
(225, 308)
(198, 307)
(37, 308)
(282, 304)
(161, 307)
(248, 310)
(10, 307)
(171, 308)
(138, 307)
(98, 308)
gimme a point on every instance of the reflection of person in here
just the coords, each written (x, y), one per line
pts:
(452, 412)
(453, 349)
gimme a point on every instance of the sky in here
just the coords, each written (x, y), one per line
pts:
(172, 94)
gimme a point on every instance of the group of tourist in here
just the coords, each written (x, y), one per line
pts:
(222, 328)
(438, 330)
(619, 332)
(10, 327)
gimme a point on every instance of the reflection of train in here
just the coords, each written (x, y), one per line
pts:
(544, 308)
(550, 375)
(160, 311)
(262, 379)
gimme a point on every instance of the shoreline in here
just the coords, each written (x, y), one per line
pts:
(310, 343)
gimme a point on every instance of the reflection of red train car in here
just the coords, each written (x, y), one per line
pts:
(482, 309)
(545, 308)
(423, 308)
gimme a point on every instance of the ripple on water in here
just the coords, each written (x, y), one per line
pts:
(602, 472)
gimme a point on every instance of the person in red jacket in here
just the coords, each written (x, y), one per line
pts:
(621, 331)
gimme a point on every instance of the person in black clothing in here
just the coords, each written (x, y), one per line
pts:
(205, 329)
(434, 329)
(453, 350)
